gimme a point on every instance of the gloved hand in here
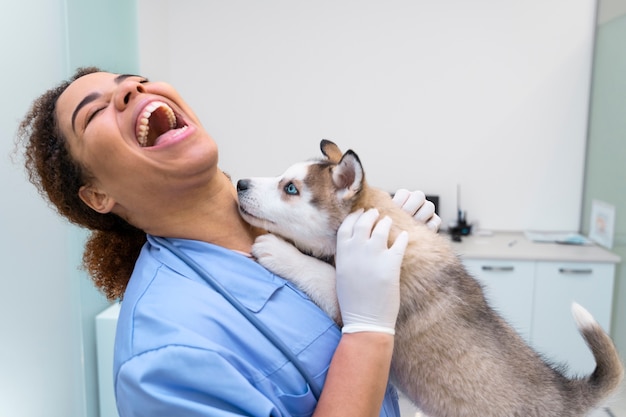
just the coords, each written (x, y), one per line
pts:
(416, 205)
(368, 273)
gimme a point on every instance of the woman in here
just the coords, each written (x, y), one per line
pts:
(126, 158)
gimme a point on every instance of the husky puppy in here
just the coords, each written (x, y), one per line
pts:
(454, 355)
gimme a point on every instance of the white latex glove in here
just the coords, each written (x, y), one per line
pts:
(368, 273)
(416, 205)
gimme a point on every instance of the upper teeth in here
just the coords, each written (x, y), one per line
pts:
(143, 126)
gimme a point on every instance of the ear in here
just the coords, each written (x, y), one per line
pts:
(348, 175)
(330, 151)
(97, 200)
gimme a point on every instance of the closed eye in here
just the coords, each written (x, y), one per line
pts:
(99, 109)
(291, 189)
(93, 114)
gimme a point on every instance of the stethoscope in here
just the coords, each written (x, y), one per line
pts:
(266, 331)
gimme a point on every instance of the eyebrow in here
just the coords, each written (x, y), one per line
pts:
(93, 96)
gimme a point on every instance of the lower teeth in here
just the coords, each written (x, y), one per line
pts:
(179, 131)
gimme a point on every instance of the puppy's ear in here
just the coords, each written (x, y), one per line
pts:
(331, 151)
(348, 175)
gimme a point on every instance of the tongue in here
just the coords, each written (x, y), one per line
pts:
(159, 124)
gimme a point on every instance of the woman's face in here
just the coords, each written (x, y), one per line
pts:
(138, 140)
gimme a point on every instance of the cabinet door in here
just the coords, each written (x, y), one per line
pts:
(554, 331)
(509, 287)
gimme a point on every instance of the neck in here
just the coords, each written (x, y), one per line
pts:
(209, 214)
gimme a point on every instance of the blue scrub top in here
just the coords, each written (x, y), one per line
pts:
(182, 350)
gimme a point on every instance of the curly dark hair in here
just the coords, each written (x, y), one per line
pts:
(113, 246)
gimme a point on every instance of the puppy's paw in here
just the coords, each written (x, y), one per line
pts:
(276, 254)
(316, 278)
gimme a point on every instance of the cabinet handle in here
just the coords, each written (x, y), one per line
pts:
(498, 268)
(576, 271)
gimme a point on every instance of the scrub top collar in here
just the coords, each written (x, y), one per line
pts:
(244, 278)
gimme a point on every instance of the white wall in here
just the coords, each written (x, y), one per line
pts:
(491, 95)
(40, 353)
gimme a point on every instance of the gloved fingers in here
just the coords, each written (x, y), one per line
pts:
(425, 212)
(400, 244)
(346, 228)
(380, 233)
(422, 210)
(434, 223)
(364, 224)
(401, 196)
(411, 202)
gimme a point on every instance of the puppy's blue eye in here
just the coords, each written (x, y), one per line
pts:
(291, 189)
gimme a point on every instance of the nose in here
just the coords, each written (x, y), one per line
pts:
(125, 92)
(243, 185)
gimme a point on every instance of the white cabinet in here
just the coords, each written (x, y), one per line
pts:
(106, 323)
(533, 287)
(509, 288)
(557, 286)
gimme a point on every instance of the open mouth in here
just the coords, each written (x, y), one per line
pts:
(245, 212)
(156, 119)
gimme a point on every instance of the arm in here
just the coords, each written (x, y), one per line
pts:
(368, 292)
(358, 376)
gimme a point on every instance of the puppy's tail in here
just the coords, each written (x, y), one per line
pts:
(592, 391)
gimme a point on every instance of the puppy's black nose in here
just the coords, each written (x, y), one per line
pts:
(243, 185)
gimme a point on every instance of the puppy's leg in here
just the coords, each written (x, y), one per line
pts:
(316, 278)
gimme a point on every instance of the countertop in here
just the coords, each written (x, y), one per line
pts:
(515, 246)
